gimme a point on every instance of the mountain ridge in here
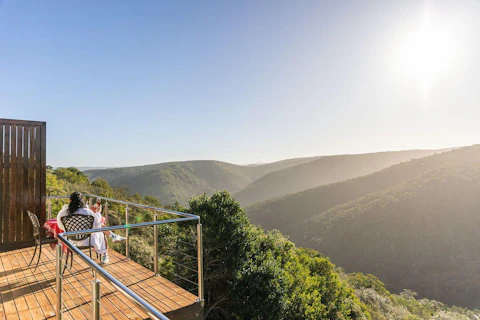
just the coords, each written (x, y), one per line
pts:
(322, 171)
(276, 211)
(179, 181)
(414, 225)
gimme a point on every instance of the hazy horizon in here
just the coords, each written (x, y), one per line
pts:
(92, 167)
(124, 84)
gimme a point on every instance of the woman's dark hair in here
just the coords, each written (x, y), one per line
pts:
(76, 203)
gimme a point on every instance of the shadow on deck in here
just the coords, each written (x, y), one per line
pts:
(29, 295)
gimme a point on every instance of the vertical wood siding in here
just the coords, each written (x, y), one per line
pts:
(22, 178)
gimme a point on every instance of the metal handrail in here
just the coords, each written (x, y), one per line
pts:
(151, 311)
(127, 226)
(163, 210)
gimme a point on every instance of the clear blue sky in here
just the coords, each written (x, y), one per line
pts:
(136, 82)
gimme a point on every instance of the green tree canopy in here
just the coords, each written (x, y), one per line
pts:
(72, 175)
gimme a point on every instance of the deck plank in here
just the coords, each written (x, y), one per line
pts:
(32, 295)
(44, 302)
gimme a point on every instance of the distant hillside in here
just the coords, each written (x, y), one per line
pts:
(322, 171)
(180, 181)
(91, 168)
(414, 225)
(287, 213)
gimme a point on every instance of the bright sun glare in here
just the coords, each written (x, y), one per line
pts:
(426, 52)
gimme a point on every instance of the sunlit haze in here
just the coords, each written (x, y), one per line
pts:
(139, 82)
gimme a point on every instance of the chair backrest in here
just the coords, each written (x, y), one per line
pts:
(36, 224)
(78, 222)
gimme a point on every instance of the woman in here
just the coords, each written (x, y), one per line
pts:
(77, 206)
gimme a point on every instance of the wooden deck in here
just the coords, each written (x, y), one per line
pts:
(29, 295)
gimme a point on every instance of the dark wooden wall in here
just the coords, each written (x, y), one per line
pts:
(22, 179)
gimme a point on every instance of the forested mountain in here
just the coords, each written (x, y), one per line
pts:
(91, 168)
(415, 225)
(179, 181)
(258, 275)
(287, 213)
(324, 170)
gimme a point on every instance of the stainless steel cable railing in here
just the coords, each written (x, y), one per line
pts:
(99, 271)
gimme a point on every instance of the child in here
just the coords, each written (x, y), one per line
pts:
(97, 207)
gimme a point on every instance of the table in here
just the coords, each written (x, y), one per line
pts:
(52, 230)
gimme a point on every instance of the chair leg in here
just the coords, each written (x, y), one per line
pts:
(34, 252)
(39, 255)
(71, 260)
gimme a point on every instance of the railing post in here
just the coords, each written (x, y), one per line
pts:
(59, 281)
(96, 298)
(155, 245)
(127, 241)
(106, 213)
(200, 262)
(49, 215)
